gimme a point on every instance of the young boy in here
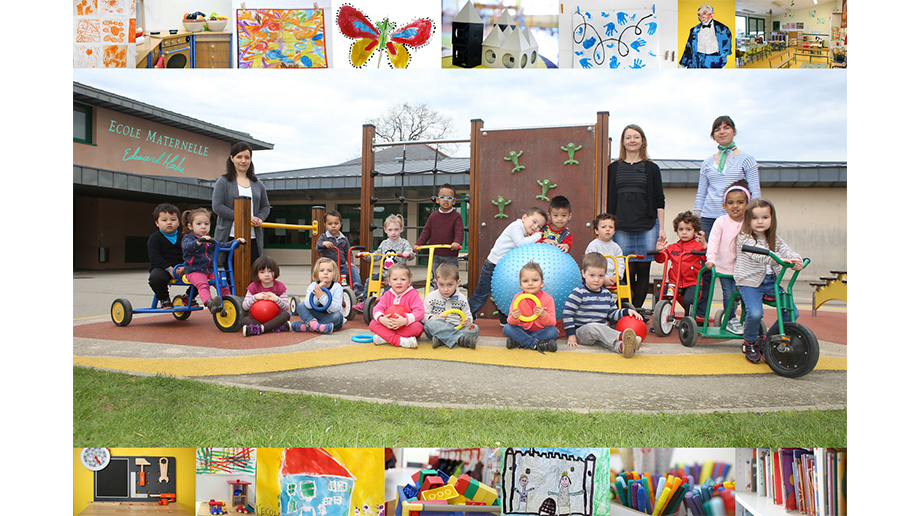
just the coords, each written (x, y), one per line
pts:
(556, 232)
(443, 227)
(332, 238)
(590, 308)
(441, 328)
(164, 249)
(605, 226)
(687, 227)
(525, 230)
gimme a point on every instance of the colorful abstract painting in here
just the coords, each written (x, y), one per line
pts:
(281, 38)
(104, 33)
(221, 461)
(556, 481)
(615, 39)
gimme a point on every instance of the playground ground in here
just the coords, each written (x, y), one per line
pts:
(664, 376)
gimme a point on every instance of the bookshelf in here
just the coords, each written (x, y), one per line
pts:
(817, 481)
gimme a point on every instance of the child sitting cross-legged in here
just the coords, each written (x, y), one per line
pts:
(330, 317)
(532, 325)
(590, 309)
(399, 312)
(265, 285)
(440, 326)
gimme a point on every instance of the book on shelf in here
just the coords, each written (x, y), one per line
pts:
(805, 481)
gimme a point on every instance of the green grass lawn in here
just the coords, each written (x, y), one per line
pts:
(113, 409)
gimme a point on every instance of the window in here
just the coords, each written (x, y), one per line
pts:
(756, 27)
(290, 238)
(82, 123)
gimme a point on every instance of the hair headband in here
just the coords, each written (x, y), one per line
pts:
(736, 187)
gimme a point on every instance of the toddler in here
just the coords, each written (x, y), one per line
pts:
(532, 325)
(393, 227)
(443, 227)
(556, 232)
(325, 275)
(400, 326)
(721, 251)
(198, 254)
(164, 249)
(683, 264)
(265, 270)
(605, 226)
(442, 328)
(332, 238)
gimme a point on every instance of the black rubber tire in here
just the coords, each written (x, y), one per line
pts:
(121, 312)
(687, 331)
(230, 319)
(800, 356)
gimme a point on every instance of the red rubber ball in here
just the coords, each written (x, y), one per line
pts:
(396, 310)
(631, 322)
(264, 310)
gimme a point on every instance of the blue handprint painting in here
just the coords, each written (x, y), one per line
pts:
(613, 38)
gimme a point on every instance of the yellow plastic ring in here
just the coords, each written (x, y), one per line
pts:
(517, 301)
(458, 312)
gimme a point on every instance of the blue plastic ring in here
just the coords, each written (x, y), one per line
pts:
(321, 308)
(362, 337)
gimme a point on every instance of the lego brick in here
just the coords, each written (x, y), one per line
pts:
(431, 482)
(445, 492)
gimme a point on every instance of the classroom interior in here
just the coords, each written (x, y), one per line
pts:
(807, 34)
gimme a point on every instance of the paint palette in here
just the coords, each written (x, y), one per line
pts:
(135, 479)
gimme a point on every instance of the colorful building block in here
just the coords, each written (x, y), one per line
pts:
(432, 482)
(440, 493)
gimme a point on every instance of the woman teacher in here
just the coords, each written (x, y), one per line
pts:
(636, 197)
(240, 181)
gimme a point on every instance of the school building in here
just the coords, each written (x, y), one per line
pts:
(130, 156)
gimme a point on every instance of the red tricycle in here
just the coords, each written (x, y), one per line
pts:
(663, 316)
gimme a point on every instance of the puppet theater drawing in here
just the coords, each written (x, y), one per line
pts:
(556, 481)
(321, 481)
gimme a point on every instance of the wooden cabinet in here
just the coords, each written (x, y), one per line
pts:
(212, 50)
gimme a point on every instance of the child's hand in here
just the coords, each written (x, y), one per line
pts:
(329, 245)
(635, 314)
(701, 238)
(317, 291)
(539, 311)
(515, 313)
(177, 272)
(564, 248)
(453, 245)
(610, 281)
(797, 263)
(572, 342)
(709, 265)
(241, 240)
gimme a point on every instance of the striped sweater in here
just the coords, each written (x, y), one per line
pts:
(713, 183)
(751, 268)
(585, 306)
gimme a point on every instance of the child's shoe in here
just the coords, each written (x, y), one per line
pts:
(511, 344)
(252, 329)
(320, 328)
(378, 340)
(408, 342)
(735, 326)
(751, 351)
(467, 342)
(166, 304)
(284, 327)
(359, 307)
(298, 326)
(215, 305)
(435, 342)
(629, 342)
(546, 345)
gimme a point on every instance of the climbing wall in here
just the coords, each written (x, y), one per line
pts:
(520, 168)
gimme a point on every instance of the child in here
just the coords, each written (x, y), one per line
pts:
(332, 238)
(590, 308)
(399, 330)
(721, 250)
(540, 333)
(755, 274)
(605, 226)
(556, 232)
(325, 275)
(164, 249)
(441, 328)
(265, 285)
(393, 227)
(443, 227)
(683, 264)
(525, 230)
(198, 250)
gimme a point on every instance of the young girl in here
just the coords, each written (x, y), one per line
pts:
(721, 250)
(325, 274)
(685, 266)
(399, 330)
(441, 327)
(198, 250)
(393, 226)
(541, 333)
(332, 238)
(265, 270)
(755, 274)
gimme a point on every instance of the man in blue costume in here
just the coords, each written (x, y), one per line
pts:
(709, 44)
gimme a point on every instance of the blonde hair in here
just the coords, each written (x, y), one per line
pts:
(320, 262)
(189, 215)
(448, 271)
(531, 266)
(400, 266)
(394, 219)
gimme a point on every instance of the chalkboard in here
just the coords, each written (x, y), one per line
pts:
(120, 480)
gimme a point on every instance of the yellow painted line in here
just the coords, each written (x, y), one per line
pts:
(688, 365)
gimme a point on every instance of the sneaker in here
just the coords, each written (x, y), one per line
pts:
(252, 329)
(546, 345)
(359, 307)
(735, 326)
(185, 300)
(751, 351)
(320, 328)
(467, 342)
(511, 344)
(215, 305)
(638, 342)
(378, 340)
(166, 304)
(629, 342)
(286, 326)
(435, 342)
(408, 342)
(298, 326)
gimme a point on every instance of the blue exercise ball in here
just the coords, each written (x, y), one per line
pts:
(560, 274)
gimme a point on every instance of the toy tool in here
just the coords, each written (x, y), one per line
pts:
(142, 479)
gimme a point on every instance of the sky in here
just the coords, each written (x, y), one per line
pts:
(314, 117)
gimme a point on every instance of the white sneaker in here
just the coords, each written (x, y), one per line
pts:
(735, 326)
(408, 342)
(378, 340)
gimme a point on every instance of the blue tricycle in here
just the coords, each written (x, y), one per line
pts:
(228, 320)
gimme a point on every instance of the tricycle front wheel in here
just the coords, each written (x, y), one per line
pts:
(793, 355)
(687, 331)
(663, 318)
(121, 312)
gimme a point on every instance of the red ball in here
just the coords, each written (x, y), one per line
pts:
(396, 311)
(264, 310)
(636, 324)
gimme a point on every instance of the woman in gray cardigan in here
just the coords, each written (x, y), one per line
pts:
(240, 181)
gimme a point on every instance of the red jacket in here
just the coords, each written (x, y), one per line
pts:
(689, 266)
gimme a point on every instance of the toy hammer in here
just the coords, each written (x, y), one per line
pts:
(143, 476)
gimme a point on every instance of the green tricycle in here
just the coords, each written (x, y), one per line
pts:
(790, 348)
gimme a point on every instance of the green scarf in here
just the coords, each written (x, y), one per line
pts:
(724, 152)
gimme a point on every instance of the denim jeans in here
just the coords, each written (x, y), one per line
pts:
(483, 289)
(529, 339)
(447, 333)
(307, 314)
(753, 307)
(728, 287)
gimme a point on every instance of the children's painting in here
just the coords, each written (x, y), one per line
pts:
(611, 38)
(321, 481)
(556, 481)
(397, 39)
(281, 38)
(104, 34)
(225, 461)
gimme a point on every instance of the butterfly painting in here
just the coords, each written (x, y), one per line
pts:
(382, 36)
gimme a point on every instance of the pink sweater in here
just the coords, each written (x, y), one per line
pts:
(410, 299)
(721, 240)
(526, 306)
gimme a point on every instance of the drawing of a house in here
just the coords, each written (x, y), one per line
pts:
(313, 483)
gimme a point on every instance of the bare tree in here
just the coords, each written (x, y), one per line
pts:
(405, 122)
